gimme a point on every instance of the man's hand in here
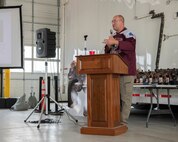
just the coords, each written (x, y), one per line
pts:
(111, 41)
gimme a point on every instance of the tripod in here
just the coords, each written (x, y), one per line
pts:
(44, 99)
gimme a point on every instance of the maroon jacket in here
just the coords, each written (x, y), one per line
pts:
(126, 49)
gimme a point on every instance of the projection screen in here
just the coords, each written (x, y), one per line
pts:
(11, 38)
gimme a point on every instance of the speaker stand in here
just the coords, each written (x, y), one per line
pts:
(45, 98)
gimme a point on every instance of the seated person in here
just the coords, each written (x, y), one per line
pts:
(76, 84)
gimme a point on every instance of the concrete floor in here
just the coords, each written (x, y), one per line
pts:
(13, 129)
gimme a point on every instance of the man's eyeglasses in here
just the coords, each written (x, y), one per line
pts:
(115, 21)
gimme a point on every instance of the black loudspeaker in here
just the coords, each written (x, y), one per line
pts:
(45, 43)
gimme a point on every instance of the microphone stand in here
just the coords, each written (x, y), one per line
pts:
(85, 44)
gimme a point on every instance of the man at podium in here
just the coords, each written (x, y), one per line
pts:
(123, 42)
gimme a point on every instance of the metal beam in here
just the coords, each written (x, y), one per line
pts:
(159, 15)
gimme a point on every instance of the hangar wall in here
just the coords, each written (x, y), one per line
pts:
(93, 18)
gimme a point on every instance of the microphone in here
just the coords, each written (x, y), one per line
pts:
(85, 37)
(111, 32)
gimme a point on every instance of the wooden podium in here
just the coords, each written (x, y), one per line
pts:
(103, 93)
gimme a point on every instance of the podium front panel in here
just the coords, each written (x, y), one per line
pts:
(103, 100)
(97, 100)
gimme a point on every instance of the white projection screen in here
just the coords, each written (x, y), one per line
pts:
(11, 38)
